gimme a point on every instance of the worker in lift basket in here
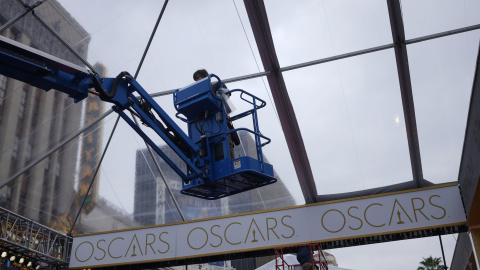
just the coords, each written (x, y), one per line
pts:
(220, 91)
(304, 257)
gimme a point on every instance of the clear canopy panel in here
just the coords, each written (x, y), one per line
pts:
(442, 86)
(422, 18)
(189, 37)
(351, 118)
(113, 33)
(276, 152)
(349, 111)
(309, 30)
(195, 35)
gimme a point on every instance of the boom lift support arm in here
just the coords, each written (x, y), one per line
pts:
(210, 172)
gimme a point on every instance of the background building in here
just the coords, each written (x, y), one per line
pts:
(153, 204)
(33, 121)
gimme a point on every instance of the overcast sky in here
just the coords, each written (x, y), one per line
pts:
(349, 111)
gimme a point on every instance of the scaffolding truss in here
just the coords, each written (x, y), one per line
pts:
(33, 240)
(319, 261)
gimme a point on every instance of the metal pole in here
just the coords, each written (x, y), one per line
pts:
(443, 34)
(151, 38)
(443, 254)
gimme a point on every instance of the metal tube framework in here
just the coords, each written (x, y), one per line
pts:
(34, 240)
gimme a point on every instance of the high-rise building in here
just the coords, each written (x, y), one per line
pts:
(33, 121)
(153, 204)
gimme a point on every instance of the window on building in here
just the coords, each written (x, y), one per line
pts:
(45, 195)
(14, 156)
(21, 111)
(28, 153)
(56, 26)
(3, 89)
(35, 108)
(16, 144)
(57, 169)
(55, 123)
(23, 101)
(24, 189)
(47, 163)
(13, 34)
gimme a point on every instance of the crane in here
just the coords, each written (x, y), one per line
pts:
(211, 173)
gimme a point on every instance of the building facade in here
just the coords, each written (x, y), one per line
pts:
(33, 121)
(154, 205)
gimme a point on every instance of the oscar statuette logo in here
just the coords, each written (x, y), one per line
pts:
(399, 218)
(254, 239)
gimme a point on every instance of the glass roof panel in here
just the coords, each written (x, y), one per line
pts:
(195, 35)
(117, 38)
(423, 18)
(351, 118)
(309, 30)
(442, 80)
(276, 153)
(349, 111)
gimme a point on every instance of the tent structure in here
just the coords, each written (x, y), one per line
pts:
(362, 99)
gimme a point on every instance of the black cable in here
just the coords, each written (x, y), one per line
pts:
(104, 95)
(203, 124)
(254, 58)
(151, 38)
(443, 253)
(216, 133)
(198, 129)
(145, 107)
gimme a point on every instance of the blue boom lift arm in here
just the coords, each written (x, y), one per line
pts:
(210, 174)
